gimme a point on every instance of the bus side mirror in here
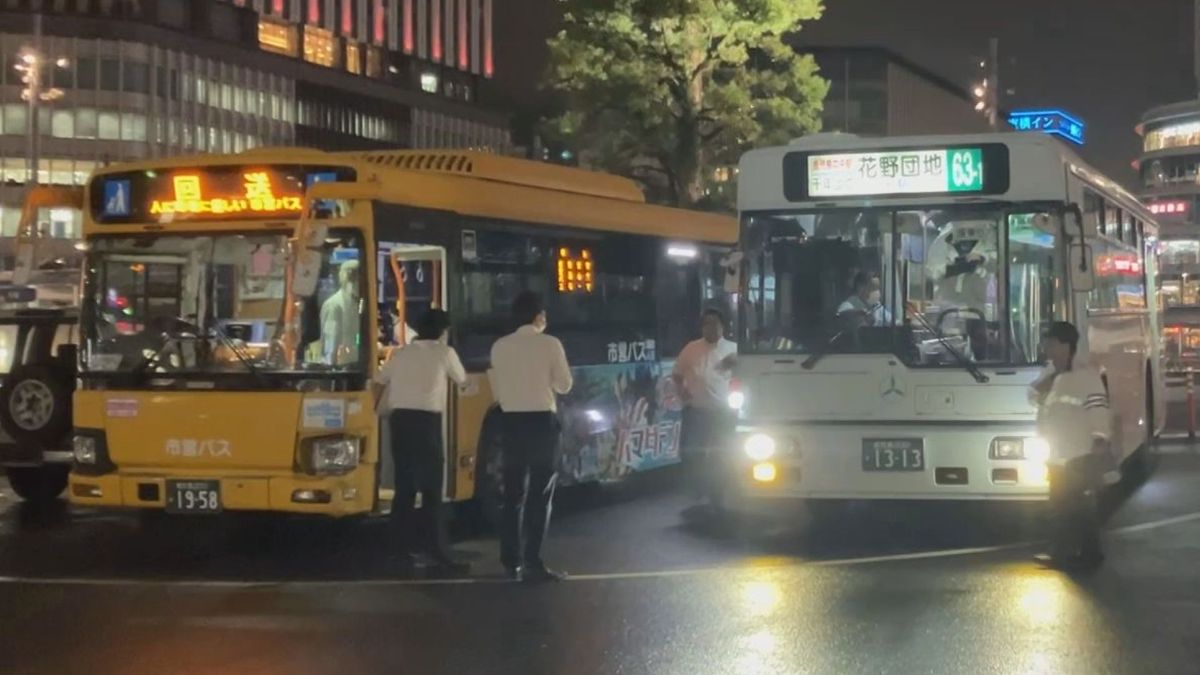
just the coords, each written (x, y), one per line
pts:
(1082, 272)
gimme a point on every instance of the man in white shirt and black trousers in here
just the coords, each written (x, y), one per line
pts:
(411, 387)
(529, 368)
(1073, 418)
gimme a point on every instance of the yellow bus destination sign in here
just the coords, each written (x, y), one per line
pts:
(222, 192)
(256, 195)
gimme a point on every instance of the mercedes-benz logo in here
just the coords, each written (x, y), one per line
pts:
(890, 388)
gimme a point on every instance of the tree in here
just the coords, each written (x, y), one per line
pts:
(669, 92)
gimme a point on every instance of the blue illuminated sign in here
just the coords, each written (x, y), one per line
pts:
(116, 198)
(1053, 122)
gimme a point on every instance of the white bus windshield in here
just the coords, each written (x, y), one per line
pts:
(927, 285)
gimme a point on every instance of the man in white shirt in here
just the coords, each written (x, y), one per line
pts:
(529, 368)
(412, 386)
(1073, 418)
(340, 320)
(702, 375)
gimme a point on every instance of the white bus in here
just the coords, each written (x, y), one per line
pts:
(893, 293)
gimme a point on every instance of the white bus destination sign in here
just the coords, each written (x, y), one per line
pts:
(947, 170)
(896, 172)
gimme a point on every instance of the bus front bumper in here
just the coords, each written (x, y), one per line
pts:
(349, 494)
(827, 462)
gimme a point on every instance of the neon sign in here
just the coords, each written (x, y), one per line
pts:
(575, 271)
(1173, 207)
(1118, 265)
(1053, 122)
(257, 195)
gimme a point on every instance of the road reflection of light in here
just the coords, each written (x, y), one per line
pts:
(1041, 597)
(761, 597)
(757, 654)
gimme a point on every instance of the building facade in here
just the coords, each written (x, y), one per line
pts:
(1169, 174)
(141, 79)
(877, 92)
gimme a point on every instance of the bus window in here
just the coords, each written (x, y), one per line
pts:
(617, 307)
(1035, 293)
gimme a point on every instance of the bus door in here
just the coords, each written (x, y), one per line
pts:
(412, 281)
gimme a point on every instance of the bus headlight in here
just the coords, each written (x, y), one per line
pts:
(333, 454)
(1030, 448)
(1037, 450)
(84, 449)
(760, 447)
(736, 400)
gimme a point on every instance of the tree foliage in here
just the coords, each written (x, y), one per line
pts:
(671, 91)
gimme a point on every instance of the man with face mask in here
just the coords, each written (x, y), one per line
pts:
(864, 302)
(529, 368)
(339, 318)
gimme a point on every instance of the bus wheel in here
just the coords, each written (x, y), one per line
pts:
(489, 492)
(35, 406)
(38, 484)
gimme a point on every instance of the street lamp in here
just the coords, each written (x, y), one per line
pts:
(30, 65)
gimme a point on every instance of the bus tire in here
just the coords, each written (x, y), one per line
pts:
(38, 485)
(1145, 458)
(35, 405)
(489, 490)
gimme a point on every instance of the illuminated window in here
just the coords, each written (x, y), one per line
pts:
(575, 273)
(429, 83)
(277, 37)
(1173, 136)
(374, 62)
(319, 46)
(353, 58)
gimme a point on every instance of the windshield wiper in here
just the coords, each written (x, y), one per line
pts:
(821, 353)
(963, 361)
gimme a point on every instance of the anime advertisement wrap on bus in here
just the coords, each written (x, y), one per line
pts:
(619, 419)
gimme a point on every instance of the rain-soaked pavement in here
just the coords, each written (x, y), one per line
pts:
(896, 587)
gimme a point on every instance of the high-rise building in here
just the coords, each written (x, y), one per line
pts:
(154, 78)
(1169, 174)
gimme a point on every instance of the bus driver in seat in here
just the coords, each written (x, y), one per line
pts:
(339, 318)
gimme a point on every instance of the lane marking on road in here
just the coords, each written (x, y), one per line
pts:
(278, 584)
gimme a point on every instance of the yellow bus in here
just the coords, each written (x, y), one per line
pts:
(228, 344)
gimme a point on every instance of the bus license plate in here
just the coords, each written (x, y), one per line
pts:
(893, 454)
(193, 496)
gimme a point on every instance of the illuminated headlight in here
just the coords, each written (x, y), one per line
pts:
(84, 449)
(1037, 450)
(337, 454)
(760, 447)
(1032, 448)
(736, 400)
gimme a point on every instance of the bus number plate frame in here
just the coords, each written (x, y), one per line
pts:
(193, 496)
(893, 454)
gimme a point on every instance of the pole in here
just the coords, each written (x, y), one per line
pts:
(1196, 44)
(993, 81)
(35, 95)
(1191, 404)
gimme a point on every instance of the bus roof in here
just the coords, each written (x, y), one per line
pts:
(482, 185)
(1039, 166)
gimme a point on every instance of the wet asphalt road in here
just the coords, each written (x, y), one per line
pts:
(900, 588)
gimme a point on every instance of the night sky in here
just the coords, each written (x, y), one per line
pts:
(1106, 61)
